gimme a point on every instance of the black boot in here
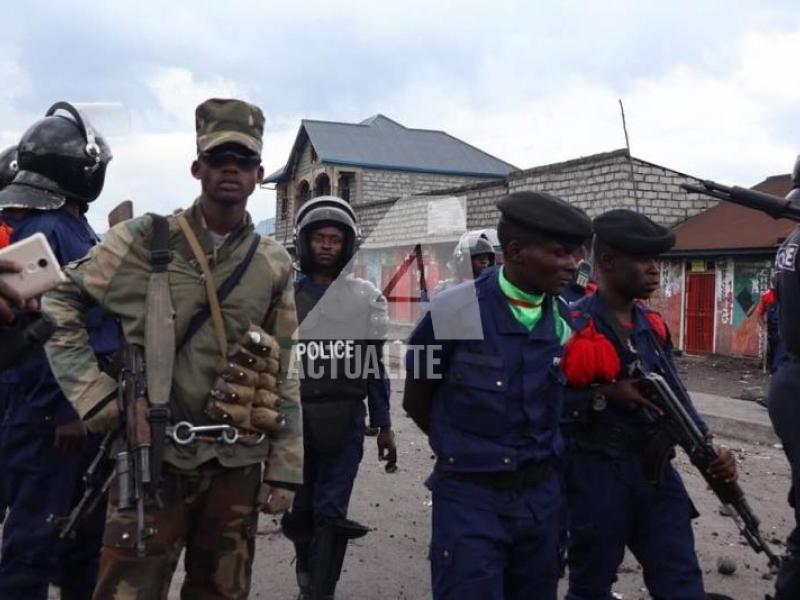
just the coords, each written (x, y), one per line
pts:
(302, 569)
(76, 593)
(328, 550)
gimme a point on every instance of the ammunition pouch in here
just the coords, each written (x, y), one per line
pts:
(245, 394)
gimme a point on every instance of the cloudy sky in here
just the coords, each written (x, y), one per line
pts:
(710, 88)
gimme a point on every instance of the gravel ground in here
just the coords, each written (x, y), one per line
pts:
(390, 562)
(724, 376)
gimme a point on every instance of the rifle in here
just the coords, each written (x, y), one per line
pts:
(121, 212)
(101, 472)
(133, 467)
(775, 206)
(97, 480)
(677, 427)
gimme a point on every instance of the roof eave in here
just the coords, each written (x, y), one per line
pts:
(365, 165)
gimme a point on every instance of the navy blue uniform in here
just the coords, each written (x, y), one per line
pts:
(495, 431)
(784, 401)
(611, 504)
(39, 482)
(776, 349)
(329, 476)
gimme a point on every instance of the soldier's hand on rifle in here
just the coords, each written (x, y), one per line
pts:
(70, 437)
(626, 395)
(105, 420)
(274, 500)
(387, 450)
(724, 467)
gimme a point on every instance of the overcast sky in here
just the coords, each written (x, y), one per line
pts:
(710, 88)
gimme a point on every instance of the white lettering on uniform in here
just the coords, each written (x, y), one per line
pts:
(786, 257)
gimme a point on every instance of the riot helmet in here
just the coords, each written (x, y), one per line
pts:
(324, 211)
(470, 245)
(8, 165)
(794, 193)
(60, 157)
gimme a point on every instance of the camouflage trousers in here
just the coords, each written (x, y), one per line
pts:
(211, 512)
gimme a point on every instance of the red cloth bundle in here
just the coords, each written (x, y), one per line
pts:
(589, 357)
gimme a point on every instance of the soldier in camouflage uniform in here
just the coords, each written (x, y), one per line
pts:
(210, 492)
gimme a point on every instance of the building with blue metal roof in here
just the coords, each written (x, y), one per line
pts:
(374, 160)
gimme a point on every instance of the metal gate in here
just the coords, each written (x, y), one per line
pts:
(699, 313)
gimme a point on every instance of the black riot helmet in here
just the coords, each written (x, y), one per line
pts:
(794, 193)
(473, 243)
(8, 165)
(60, 157)
(323, 211)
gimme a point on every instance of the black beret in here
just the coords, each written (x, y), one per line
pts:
(633, 233)
(546, 214)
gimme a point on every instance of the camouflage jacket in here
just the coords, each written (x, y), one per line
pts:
(115, 276)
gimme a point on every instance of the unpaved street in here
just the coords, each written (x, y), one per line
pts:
(391, 561)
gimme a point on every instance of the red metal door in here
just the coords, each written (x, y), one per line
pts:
(700, 313)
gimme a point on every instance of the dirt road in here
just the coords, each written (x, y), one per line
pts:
(390, 563)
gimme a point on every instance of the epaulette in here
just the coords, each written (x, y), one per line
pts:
(656, 322)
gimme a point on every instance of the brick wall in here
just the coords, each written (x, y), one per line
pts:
(595, 184)
(379, 184)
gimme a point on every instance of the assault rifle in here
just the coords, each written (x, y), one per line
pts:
(134, 475)
(677, 427)
(97, 480)
(775, 206)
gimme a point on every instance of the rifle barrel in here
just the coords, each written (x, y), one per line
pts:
(775, 206)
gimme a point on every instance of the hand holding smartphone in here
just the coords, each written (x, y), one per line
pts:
(28, 268)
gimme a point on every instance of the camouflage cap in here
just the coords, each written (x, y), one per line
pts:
(222, 121)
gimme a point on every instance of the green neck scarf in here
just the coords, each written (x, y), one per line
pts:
(527, 307)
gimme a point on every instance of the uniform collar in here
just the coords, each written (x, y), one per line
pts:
(595, 306)
(487, 286)
(194, 215)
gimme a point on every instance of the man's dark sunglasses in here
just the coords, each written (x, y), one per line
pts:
(217, 160)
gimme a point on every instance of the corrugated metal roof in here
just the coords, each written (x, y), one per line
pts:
(380, 143)
(729, 226)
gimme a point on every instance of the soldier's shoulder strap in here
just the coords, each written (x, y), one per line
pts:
(159, 340)
(201, 316)
(159, 320)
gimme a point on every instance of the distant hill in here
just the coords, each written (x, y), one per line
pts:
(266, 227)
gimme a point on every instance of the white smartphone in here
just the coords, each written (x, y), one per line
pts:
(40, 269)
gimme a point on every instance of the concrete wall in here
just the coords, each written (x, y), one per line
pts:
(379, 184)
(599, 183)
(739, 284)
(371, 186)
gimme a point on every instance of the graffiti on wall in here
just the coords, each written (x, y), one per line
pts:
(725, 291)
(750, 280)
(671, 282)
(667, 300)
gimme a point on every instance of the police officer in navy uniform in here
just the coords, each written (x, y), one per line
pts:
(8, 169)
(784, 390)
(342, 327)
(474, 252)
(483, 381)
(612, 502)
(43, 448)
